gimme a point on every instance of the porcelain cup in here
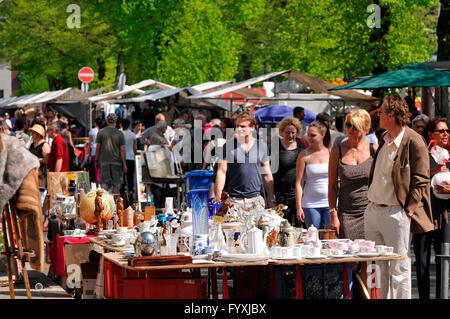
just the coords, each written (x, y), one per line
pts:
(200, 242)
(364, 249)
(297, 252)
(306, 251)
(380, 249)
(315, 251)
(118, 239)
(276, 251)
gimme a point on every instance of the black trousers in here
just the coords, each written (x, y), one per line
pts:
(422, 250)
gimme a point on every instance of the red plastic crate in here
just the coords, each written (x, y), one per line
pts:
(120, 283)
(162, 288)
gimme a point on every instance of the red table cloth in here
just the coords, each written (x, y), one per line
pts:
(57, 252)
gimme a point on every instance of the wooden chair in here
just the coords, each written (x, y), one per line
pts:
(13, 249)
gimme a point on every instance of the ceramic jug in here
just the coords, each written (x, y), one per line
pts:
(287, 235)
(255, 241)
(312, 237)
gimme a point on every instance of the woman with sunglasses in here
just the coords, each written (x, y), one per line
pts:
(311, 193)
(436, 129)
(349, 169)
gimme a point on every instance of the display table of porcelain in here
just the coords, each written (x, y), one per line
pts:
(121, 260)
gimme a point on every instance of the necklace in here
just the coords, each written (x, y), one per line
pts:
(355, 150)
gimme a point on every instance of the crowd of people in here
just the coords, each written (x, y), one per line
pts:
(372, 181)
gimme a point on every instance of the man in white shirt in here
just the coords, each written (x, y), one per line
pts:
(399, 195)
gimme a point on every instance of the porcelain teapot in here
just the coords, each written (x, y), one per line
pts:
(312, 237)
(146, 226)
(255, 241)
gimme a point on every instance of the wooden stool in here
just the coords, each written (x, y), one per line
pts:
(12, 239)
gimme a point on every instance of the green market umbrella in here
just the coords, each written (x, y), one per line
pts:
(408, 75)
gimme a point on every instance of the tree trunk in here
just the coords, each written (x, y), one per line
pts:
(101, 68)
(119, 68)
(55, 84)
(245, 68)
(443, 32)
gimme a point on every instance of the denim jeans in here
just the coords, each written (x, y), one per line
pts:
(320, 217)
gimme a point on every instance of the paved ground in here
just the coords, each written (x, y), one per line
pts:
(41, 287)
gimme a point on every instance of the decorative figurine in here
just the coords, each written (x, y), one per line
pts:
(99, 207)
(139, 217)
(279, 209)
(223, 210)
(119, 209)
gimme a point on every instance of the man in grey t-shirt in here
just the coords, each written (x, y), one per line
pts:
(111, 152)
(245, 160)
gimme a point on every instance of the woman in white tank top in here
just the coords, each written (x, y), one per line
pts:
(311, 186)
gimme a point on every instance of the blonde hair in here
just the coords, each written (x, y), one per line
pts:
(360, 119)
(289, 121)
(246, 116)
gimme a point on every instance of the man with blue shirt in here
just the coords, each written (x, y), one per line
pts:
(245, 160)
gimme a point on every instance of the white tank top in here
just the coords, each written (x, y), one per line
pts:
(315, 191)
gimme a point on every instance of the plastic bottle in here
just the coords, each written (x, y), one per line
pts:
(152, 200)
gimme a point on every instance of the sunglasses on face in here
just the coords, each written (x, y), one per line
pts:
(350, 125)
(443, 131)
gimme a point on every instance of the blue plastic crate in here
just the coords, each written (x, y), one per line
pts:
(198, 180)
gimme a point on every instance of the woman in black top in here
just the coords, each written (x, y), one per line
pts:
(41, 149)
(284, 179)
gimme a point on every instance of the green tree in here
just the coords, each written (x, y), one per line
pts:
(200, 47)
(332, 38)
(37, 40)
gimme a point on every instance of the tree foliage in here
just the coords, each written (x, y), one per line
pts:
(186, 42)
(200, 47)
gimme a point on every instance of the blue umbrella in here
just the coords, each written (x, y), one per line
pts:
(275, 113)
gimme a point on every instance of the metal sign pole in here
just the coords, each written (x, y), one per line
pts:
(445, 250)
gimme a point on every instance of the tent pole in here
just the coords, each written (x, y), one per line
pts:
(289, 85)
(90, 118)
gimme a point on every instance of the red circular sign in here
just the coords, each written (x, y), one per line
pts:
(86, 74)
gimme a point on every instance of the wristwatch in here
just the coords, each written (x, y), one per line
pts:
(409, 213)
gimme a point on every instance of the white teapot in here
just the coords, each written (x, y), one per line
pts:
(255, 241)
(146, 226)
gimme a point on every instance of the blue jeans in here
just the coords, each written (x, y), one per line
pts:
(317, 216)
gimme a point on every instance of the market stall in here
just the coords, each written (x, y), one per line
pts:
(145, 254)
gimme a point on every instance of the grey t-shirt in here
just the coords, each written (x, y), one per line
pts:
(244, 168)
(110, 140)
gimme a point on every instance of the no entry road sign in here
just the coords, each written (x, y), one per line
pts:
(86, 74)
